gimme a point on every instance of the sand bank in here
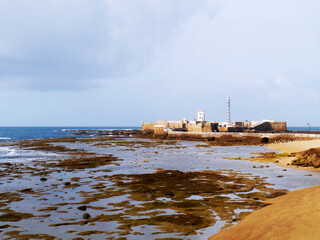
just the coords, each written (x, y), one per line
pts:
(292, 216)
(296, 146)
(293, 147)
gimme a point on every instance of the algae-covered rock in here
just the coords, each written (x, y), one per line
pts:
(308, 158)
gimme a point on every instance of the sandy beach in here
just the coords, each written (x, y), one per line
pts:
(292, 147)
(295, 215)
(296, 146)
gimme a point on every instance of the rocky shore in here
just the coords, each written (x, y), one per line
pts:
(292, 216)
(122, 187)
(124, 184)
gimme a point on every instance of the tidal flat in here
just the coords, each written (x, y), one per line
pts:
(133, 188)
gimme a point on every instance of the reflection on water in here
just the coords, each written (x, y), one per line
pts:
(149, 189)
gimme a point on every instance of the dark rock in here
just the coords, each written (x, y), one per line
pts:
(86, 216)
(82, 208)
(43, 179)
(67, 183)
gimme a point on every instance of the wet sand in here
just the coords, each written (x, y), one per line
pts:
(292, 216)
(127, 188)
(296, 146)
(132, 188)
(293, 147)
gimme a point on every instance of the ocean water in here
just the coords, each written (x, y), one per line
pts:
(14, 154)
(304, 128)
(21, 133)
(136, 158)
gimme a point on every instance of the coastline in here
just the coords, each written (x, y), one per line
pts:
(110, 167)
(292, 147)
(292, 216)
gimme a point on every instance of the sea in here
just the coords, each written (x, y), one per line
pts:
(186, 156)
(24, 133)
(13, 154)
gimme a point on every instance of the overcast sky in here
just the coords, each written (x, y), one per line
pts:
(120, 62)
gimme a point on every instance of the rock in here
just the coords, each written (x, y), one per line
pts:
(280, 176)
(86, 216)
(82, 208)
(67, 183)
(43, 179)
(309, 158)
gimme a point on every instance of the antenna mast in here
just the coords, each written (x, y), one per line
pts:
(229, 111)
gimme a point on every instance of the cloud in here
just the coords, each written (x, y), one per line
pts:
(68, 45)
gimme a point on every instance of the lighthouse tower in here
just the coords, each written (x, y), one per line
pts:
(201, 116)
(229, 111)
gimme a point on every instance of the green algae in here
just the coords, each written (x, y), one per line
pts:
(17, 235)
(12, 216)
(91, 232)
(162, 199)
(190, 215)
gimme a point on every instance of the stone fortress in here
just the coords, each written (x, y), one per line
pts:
(200, 125)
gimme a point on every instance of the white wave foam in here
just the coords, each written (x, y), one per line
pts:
(6, 151)
(98, 129)
(8, 154)
(5, 138)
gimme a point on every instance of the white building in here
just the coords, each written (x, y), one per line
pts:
(201, 116)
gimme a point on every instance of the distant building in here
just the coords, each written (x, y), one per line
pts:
(201, 116)
(162, 127)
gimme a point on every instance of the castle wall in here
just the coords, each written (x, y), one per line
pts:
(199, 127)
(194, 127)
(279, 126)
(159, 131)
(207, 127)
(175, 124)
(272, 126)
(147, 127)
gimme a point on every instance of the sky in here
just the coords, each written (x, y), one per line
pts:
(120, 62)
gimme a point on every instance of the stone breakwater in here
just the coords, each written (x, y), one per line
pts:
(217, 138)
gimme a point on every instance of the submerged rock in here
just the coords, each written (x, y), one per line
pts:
(82, 208)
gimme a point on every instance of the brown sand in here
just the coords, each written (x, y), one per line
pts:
(296, 146)
(293, 216)
(291, 147)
